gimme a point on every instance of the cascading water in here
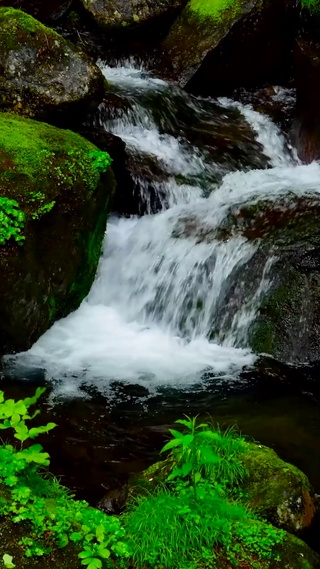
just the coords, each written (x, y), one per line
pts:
(158, 312)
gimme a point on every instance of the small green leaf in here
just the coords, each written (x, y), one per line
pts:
(171, 444)
(8, 561)
(186, 468)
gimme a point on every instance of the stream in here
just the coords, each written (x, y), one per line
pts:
(164, 329)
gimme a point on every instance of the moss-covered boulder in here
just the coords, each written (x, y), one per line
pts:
(216, 45)
(41, 72)
(53, 209)
(133, 13)
(277, 490)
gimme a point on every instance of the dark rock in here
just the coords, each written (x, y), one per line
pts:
(305, 132)
(113, 502)
(215, 50)
(126, 200)
(47, 12)
(53, 209)
(133, 13)
(41, 73)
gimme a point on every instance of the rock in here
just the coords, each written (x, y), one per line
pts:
(42, 73)
(305, 132)
(54, 205)
(280, 492)
(215, 47)
(133, 13)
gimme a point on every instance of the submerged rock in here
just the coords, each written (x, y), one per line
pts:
(215, 47)
(122, 13)
(42, 73)
(54, 202)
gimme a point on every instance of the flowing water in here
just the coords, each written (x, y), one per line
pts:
(163, 320)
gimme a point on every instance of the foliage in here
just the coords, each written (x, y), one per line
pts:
(212, 8)
(11, 221)
(8, 561)
(55, 517)
(184, 525)
(101, 160)
(202, 452)
(312, 5)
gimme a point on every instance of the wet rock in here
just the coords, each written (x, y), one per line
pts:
(41, 73)
(280, 492)
(113, 502)
(53, 205)
(133, 13)
(215, 49)
(305, 132)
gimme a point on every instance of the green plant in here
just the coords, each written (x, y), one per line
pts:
(8, 561)
(189, 522)
(101, 160)
(54, 516)
(202, 452)
(11, 221)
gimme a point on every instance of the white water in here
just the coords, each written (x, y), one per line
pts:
(162, 282)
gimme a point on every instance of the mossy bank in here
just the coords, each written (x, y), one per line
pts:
(55, 188)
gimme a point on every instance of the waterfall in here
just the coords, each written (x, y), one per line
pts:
(163, 307)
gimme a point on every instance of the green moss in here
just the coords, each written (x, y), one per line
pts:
(312, 5)
(213, 8)
(39, 162)
(17, 26)
(278, 313)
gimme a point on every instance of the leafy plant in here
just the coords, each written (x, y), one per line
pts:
(8, 561)
(55, 517)
(11, 221)
(202, 452)
(101, 160)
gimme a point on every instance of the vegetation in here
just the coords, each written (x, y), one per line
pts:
(312, 5)
(196, 519)
(211, 8)
(37, 163)
(185, 523)
(11, 221)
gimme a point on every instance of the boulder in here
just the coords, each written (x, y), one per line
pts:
(133, 13)
(42, 73)
(55, 189)
(277, 490)
(305, 132)
(217, 46)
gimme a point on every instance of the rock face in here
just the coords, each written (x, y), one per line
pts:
(53, 207)
(122, 13)
(41, 73)
(215, 47)
(305, 133)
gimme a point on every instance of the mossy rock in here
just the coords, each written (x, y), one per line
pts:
(217, 45)
(41, 72)
(53, 209)
(133, 13)
(279, 491)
